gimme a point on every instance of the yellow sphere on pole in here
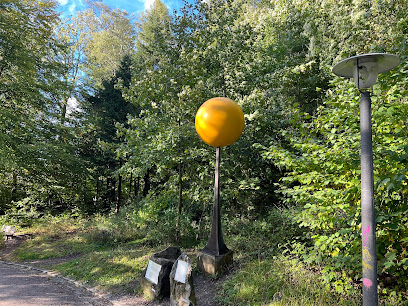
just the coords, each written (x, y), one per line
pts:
(219, 122)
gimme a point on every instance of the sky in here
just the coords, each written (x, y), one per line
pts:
(70, 7)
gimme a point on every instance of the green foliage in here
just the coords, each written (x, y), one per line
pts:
(117, 228)
(36, 145)
(22, 213)
(27, 61)
(133, 141)
(106, 36)
(106, 109)
(257, 237)
(279, 281)
(320, 154)
(322, 160)
(152, 223)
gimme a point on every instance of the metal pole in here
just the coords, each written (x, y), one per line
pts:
(215, 244)
(369, 252)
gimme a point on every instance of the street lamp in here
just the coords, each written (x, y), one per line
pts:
(219, 122)
(365, 70)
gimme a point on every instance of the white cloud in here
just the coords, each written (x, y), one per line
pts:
(148, 4)
(76, 5)
(73, 106)
(72, 8)
(63, 2)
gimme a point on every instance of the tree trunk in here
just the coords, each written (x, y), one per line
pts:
(137, 186)
(180, 201)
(96, 198)
(14, 188)
(118, 198)
(64, 111)
(130, 186)
(180, 186)
(146, 186)
(113, 190)
(106, 194)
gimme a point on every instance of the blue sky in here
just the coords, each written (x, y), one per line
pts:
(70, 7)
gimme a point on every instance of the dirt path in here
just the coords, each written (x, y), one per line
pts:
(204, 289)
(20, 285)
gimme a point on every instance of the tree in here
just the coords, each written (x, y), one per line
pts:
(320, 153)
(105, 110)
(35, 149)
(108, 36)
(73, 59)
(179, 64)
(101, 42)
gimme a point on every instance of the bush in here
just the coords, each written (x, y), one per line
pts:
(279, 280)
(23, 213)
(153, 221)
(256, 236)
(322, 162)
(116, 228)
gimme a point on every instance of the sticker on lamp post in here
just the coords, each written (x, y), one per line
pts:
(152, 272)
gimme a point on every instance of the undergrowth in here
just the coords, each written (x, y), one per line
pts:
(279, 280)
(110, 252)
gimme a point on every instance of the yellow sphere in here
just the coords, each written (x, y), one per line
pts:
(219, 122)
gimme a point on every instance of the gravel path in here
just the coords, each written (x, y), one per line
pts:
(30, 284)
(19, 286)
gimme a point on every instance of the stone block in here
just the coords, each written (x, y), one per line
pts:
(182, 283)
(214, 265)
(165, 259)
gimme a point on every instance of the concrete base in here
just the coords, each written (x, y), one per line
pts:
(212, 265)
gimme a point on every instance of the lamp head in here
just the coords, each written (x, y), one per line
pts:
(366, 68)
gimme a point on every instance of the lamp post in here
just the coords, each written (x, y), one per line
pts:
(365, 69)
(219, 122)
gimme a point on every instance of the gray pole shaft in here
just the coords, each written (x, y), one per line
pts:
(369, 251)
(215, 244)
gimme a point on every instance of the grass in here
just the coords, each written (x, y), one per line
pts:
(54, 239)
(110, 257)
(87, 255)
(111, 270)
(114, 269)
(46, 246)
(279, 281)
